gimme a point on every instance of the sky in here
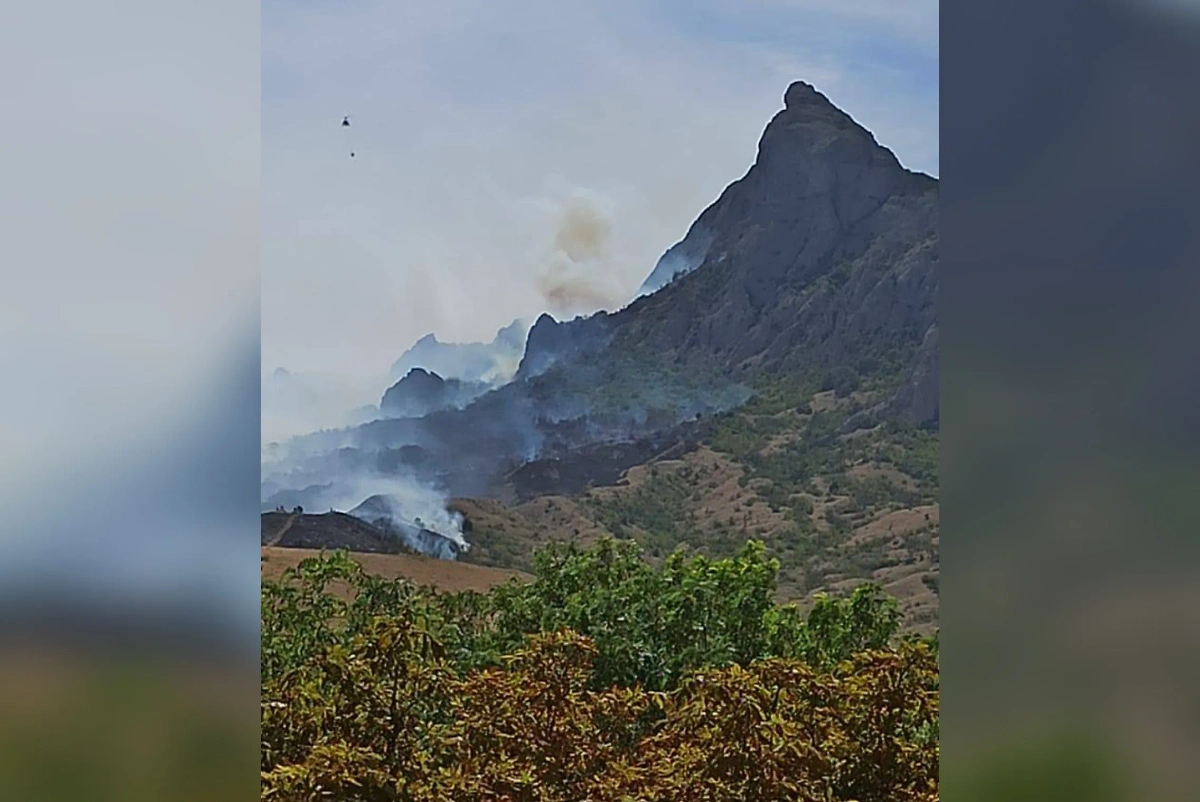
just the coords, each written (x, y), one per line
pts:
(482, 129)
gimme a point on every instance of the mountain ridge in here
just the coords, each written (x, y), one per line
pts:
(823, 253)
(490, 362)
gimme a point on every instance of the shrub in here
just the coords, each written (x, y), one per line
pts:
(603, 679)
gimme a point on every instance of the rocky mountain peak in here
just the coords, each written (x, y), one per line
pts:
(823, 253)
(550, 341)
(421, 392)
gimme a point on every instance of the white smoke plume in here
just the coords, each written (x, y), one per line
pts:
(410, 501)
(404, 500)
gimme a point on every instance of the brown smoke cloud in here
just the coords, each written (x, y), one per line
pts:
(583, 232)
(568, 294)
(576, 278)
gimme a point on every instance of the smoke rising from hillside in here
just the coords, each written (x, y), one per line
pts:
(405, 498)
(493, 362)
(408, 500)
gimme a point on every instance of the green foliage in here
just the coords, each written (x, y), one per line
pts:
(931, 581)
(842, 379)
(820, 449)
(739, 435)
(835, 629)
(649, 625)
(776, 394)
(874, 492)
(914, 451)
(605, 678)
(814, 461)
(497, 547)
(656, 507)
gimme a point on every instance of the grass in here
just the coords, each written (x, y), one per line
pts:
(655, 513)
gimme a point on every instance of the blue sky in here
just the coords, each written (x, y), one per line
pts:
(476, 125)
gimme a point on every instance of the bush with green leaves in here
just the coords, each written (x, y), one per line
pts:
(649, 624)
(605, 678)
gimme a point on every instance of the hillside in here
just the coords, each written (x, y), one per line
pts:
(861, 506)
(331, 530)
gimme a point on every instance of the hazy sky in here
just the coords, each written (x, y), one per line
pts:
(480, 127)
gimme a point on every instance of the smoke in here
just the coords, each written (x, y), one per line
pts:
(408, 500)
(298, 403)
(504, 367)
(577, 276)
(405, 501)
(493, 363)
(583, 232)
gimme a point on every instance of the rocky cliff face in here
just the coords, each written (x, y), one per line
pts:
(550, 342)
(680, 259)
(917, 400)
(824, 253)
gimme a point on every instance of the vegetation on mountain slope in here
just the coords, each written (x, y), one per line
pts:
(835, 507)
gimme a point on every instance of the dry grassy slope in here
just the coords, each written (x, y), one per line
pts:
(716, 511)
(441, 574)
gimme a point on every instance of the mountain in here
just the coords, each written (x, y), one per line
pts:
(421, 392)
(812, 280)
(470, 362)
(775, 379)
(824, 254)
(550, 341)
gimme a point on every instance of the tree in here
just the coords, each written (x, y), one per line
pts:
(603, 679)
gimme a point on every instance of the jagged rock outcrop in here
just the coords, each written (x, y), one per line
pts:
(550, 342)
(916, 402)
(421, 392)
(470, 362)
(680, 259)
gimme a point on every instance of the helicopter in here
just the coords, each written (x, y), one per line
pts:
(346, 124)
